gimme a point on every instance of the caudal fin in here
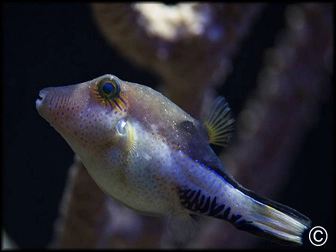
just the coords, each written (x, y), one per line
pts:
(274, 221)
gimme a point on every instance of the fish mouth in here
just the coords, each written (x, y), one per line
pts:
(39, 100)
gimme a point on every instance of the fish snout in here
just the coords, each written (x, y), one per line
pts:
(52, 102)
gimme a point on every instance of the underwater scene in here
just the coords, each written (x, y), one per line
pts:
(155, 125)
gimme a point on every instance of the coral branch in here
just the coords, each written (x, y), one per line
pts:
(191, 54)
(84, 215)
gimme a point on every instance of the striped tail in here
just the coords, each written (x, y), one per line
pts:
(260, 216)
(273, 221)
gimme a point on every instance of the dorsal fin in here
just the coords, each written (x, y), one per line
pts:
(219, 122)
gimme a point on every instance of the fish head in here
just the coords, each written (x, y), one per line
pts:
(115, 127)
(91, 116)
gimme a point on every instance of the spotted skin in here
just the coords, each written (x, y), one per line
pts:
(146, 152)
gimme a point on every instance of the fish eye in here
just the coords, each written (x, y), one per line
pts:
(108, 88)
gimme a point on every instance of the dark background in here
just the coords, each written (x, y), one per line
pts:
(58, 44)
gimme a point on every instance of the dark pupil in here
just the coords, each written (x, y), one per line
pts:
(108, 88)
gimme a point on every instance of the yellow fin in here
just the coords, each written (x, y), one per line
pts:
(220, 122)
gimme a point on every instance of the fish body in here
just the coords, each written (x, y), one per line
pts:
(146, 152)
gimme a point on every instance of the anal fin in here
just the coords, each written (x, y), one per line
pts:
(182, 227)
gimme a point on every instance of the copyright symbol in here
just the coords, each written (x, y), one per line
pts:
(318, 236)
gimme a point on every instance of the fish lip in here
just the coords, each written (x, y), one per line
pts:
(39, 100)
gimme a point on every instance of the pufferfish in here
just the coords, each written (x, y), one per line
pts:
(147, 153)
